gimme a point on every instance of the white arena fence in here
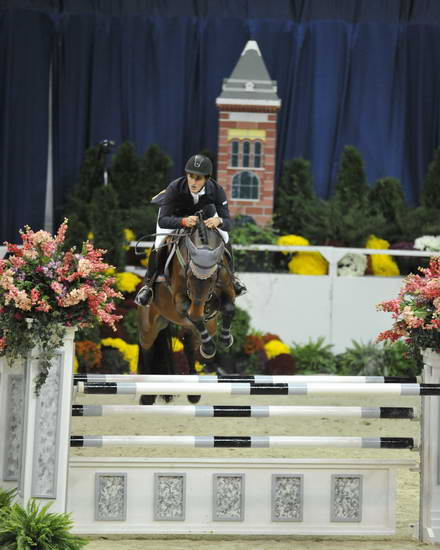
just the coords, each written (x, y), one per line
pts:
(286, 304)
(213, 495)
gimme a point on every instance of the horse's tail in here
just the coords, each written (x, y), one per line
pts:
(157, 360)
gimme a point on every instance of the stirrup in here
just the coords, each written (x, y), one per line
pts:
(144, 296)
(239, 287)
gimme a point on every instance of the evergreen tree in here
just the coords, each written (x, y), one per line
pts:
(155, 167)
(78, 202)
(106, 225)
(430, 196)
(126, 176)
(295, 200)
(386, 198)
(351, 183)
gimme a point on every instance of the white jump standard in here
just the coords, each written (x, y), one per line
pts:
(239, 411)
(132, 388)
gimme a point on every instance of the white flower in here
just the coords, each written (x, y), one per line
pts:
(352, 265)
(428, 242)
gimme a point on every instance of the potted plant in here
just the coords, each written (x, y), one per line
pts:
(44, 289)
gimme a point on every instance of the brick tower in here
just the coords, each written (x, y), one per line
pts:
(248, 107)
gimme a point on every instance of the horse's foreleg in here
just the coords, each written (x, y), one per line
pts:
(207, 347)
(228, 311)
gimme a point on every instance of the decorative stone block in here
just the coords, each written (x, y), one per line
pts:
(111, 497)
(169, 497)
(228, 493)
(346, 498)
(14, 427)
(287, 497)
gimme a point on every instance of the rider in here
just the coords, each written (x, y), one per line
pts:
(178, 203)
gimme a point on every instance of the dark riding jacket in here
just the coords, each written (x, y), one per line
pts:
(176, 202)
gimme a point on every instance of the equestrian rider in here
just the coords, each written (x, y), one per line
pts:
(178, 203)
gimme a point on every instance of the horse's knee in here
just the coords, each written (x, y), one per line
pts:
(228, 308)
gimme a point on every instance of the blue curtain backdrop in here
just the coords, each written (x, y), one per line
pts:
(364, 73)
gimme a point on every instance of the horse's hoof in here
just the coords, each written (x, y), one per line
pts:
(167, 398)
(208, 352)
(193, 398)
(228, 341)
(147, 399)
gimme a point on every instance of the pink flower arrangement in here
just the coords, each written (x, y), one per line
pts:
(54, 287)
(416, 310)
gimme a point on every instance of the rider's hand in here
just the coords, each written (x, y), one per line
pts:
(190, 221)
(213, 222)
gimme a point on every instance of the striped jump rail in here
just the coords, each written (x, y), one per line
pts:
(204, 441)
(212, 411)
(257, 379)
(238, 388)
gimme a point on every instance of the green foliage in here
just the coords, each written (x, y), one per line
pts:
(6, 498)
(362, 359)
(295, 198)
(155, 169)
(106, 225)
(113, 361)
(250, 233)
(387, 199)
(126, 176)
(129, 324)
(420, 221)
(32, 528)
(351, 186)
(430, 196)
(314, 357)
(372, 359)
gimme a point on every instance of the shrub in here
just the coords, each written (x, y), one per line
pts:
(315, 357)
(32, 528)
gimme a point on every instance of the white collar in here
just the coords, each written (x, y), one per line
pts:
(196, 196)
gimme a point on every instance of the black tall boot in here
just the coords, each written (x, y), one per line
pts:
(239, 286)
(145, 294)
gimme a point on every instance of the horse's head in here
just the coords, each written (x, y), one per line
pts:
(205, 251)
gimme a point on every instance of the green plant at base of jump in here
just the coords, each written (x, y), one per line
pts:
(363, 359)
(34, 528)
(315, 357)
(6, 498)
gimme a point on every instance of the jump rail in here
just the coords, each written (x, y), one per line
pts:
(210, 441)
(258, 379)
(131, 388)
(245, 411)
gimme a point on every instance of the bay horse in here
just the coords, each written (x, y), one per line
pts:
(198, 286)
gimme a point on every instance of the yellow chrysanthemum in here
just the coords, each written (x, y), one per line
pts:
(308, 263)
(384, 266)
(110, 271)
(375, 242)
(75, 364)
(275, 347)
(292, 240)
(128, 237)
(127, 282)
(130, 352)
(90, 236)
(144, 261)
(199, 367)
(176, 344)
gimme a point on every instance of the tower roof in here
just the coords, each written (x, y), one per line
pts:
(250, 83)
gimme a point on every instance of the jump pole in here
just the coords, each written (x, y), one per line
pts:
(241, 411)
(131, 388)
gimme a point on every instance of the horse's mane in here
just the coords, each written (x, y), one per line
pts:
(204, 237)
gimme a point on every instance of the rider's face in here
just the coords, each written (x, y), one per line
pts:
(195, 182)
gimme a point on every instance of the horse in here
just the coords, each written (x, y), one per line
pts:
(198, 286)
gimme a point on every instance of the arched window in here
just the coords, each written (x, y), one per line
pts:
(258, 151)
(234, 153)
(246, 154)
(245, 185)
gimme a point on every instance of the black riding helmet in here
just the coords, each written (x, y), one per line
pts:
(199, 164)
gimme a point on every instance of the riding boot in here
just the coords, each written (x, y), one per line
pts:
(239, 286)
(145, 294)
